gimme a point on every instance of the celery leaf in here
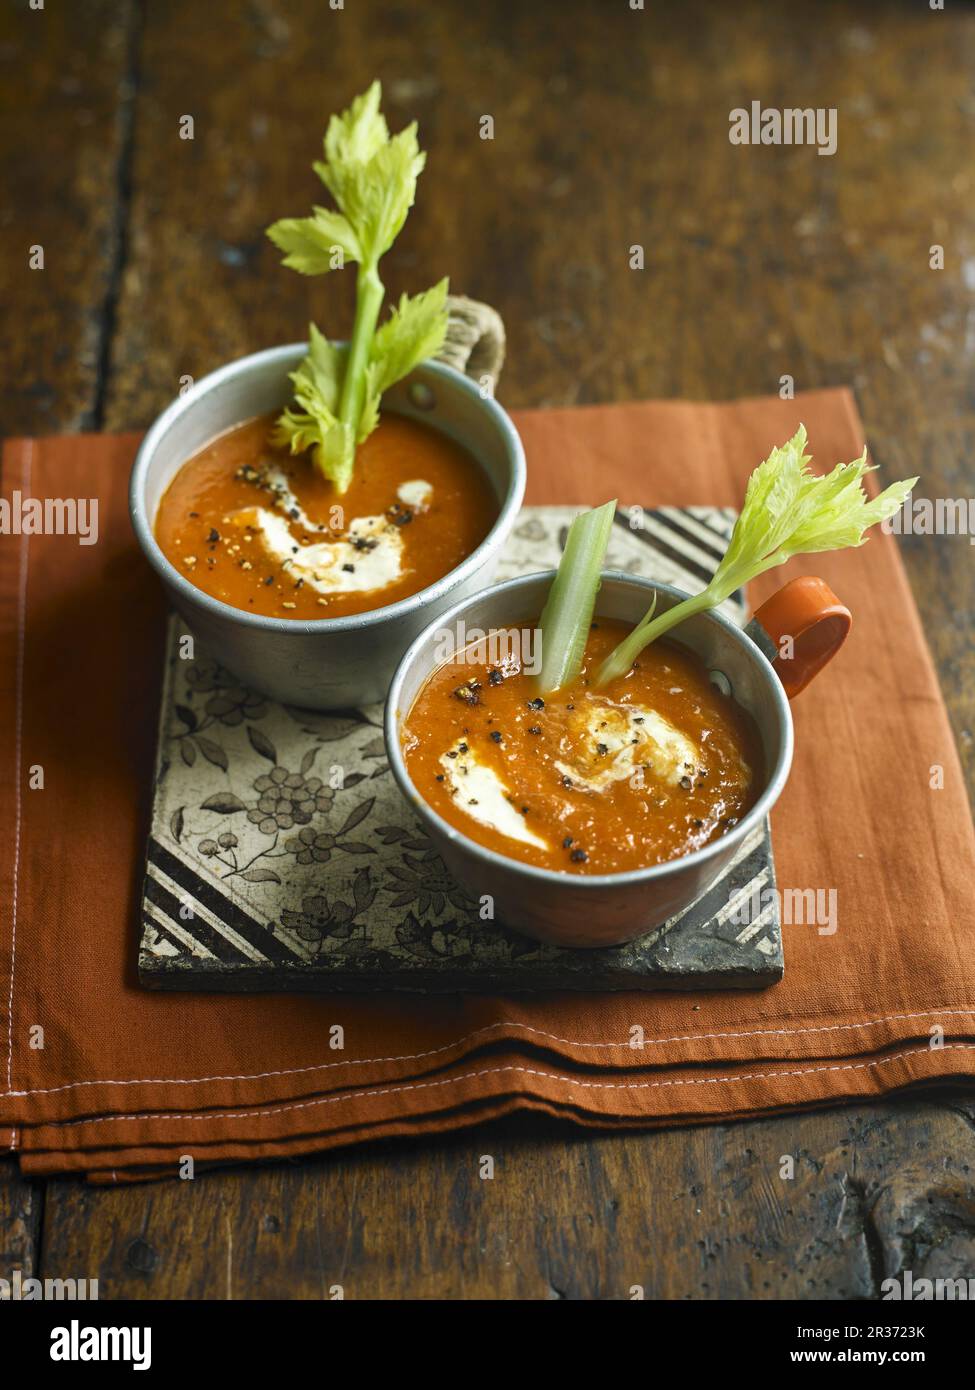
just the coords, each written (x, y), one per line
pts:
(317, 244)
(414, 331)
(788, 510)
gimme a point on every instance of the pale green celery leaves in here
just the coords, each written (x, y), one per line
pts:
(788, 510)
(315, 424)
(568, 609)
(317, 244)
(375, 196)
(320, 374)
(769, 509)
(352, 138)
(414, 331)
(372, 177)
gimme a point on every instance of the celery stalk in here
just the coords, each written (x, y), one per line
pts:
(622, 657)
(568, 609)
(372, 177)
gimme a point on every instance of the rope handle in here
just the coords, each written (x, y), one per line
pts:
(475, 340)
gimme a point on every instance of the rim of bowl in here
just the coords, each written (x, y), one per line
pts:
(774, 784)
(167, 571)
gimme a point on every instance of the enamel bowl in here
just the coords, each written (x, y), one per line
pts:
(328, 663)
(570, 909)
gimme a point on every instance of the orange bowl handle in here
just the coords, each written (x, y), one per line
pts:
(806, 625)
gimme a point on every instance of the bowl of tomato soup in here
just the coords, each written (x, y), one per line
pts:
(306, 595)
(590, 817)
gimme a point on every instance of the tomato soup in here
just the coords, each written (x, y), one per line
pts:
(654, 765)
(263, 531)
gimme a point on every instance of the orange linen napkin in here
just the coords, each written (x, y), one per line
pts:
(120, 1083)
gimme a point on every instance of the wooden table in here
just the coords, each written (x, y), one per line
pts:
(610, 131)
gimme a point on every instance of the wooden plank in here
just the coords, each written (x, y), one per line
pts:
(66, 75)
(705, 1213)
(610, 130)
(21, 1204)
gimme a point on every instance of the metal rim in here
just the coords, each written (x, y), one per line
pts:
(775, 781)
(283, 356)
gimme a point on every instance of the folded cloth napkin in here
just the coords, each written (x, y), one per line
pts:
(100, 1077)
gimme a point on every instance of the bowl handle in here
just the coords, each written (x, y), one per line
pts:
(475, 341)
(800, 628)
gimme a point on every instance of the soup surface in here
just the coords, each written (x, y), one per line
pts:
(263, 531)
(654, 765)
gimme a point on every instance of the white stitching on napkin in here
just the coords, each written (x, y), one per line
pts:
(502, 1023)
(523, 1071)
(18, 789)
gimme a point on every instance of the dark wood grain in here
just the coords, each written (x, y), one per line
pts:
(21, 1205)
(701, 1214)
(611, 130)
(67, 77)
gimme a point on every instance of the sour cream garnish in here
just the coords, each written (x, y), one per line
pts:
(415, 494)
(369, 556)
(277, 484)
(480, 792)
(607, 743)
